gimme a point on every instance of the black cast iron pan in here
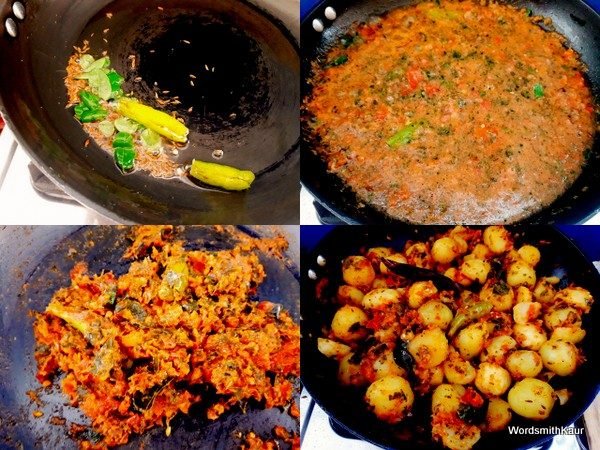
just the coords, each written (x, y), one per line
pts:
(248, 107)
(35, 262)
(345, 406)
(574, 19)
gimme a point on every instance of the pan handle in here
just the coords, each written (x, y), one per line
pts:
(11, 15)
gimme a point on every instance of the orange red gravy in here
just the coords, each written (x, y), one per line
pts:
(453, 113)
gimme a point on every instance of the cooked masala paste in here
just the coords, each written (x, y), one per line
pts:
(452, 112)
(136, 349)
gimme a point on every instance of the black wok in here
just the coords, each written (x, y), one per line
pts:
(34, 263)
(574, 19)
(345, 406)
(248, 107)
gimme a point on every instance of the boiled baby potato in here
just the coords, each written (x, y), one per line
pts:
(348, 323)
(459, 371)
(497, 239)
(498, 348)
(349, 372)
(498, 415)
(446, 398)
(577, 297)
(470, 340)
(385, 365)
(420, 291)
(492, 380)
(524, 364)
(429, 348)
(530, 254)
(418, 255)
(349, 295)
(395, 257)
(445, 250)
(357, 271)
(375, 253)
(499, 294)
(544, 291)
(573, 334)
(332, 349)
(532, 398)
(524, 294)
(436, 314)
(390, 398)
(562, 317)
(380, 298)
(529, 336)
(560, 357)
(475, 269)
(520, 274)
(526, 312)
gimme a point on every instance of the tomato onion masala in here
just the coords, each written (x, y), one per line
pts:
(452, 112)
(134, 349)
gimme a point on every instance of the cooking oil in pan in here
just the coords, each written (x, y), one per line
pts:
(208, 64)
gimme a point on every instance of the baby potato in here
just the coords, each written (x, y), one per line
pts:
(499, 294)
(532, 398)
(445, 250)
(396, 257)
(434, 313)
(457, 435)
(332, 349)
(380, 298)
(429, 348)
(573, 334)
(520, 274)
(418, 255)
(385, 365)
(524, 364)
(560, 357)
(349, 373)
(419, 291)
(348, 323)
(454, 274)
(492, 380)
(498, 415)
(497, 349)
(446, 398)
(349, 295)
(524, 294)
(562, 317)
(576, 297)
(435, 376)
(497, 239)
(526, 312)
(481, 251)
(376, 253)
(475, 269)
(379, 283)
(529, 336)
(530, 254)
(390, 398)
(544, 289)
(470, 340)
(357, 271)
(458, 371)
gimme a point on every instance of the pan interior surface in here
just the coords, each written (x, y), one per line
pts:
(39, 266)
(243, 102)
